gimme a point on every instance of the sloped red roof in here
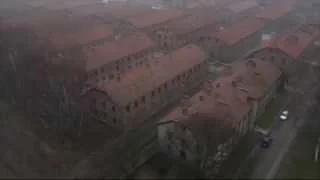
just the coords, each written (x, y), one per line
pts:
(155, 18)
(256, 78)
(273, 13)
(61, 41)
(224, 100)
(126, 11)
(238, 7)
(240, 30)
(296, 42)
(91, 9)
(195, 21)
(115, 50)
(141, 81)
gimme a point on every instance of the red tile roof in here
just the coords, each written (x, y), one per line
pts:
(256, 78)
(225, 100)
(223, 103)
(40, 17)
(61, 41)
(124, 12)
(141, 81)
(113, 51)
(238, 7)
(273, 13)
(240, 30)
(296, 42)
(195, 21)
(63, 4)
(92, 9)
(155, 18)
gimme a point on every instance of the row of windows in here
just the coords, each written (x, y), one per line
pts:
(162, 88)
(129, 59)
(105, 116)
(112, 76)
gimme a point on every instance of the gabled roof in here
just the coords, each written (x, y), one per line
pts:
(226, 99)
(240, 31)
(220, 102)
(256, 76)
(273, 13)
(155, 18)
(115, 50)
(127, 11)
(61, 41)
(141, 81)
(195, 21)
(239, 7)
(295, 42)
(91, 9)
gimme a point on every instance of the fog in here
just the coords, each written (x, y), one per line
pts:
(159, 88)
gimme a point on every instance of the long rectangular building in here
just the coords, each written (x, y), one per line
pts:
(205, 128)
(233, 42)
(107, 61)
(144, 91)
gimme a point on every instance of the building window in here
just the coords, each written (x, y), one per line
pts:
(111, 77)
(178, 78)
(136, 104)
(272, 58)
(95, 111)
(152, 93)
(165, 86)
(113, 108)
(169, 134)
(95, 72)
(103, 78)
(173, 81)
(143, 99)
(114, 120)
(103, 105)
(101, 69)
(117, 67)
(184, 143)
(159, 90)
(183, 155)
(128, 108)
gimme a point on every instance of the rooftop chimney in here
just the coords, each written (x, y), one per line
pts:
(201, 98)
(227, 71)
(251, 63)
(234, 83)
(218, 85)
(185, 111)
(292, 39)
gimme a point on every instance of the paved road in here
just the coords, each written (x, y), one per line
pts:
(269, 160)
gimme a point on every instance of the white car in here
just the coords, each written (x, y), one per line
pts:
(284, 115)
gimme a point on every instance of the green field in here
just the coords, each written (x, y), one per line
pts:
(267, 119)
(299, 162)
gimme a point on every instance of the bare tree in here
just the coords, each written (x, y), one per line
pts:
(47, 91)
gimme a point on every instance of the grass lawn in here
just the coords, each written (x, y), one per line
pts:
(299, 162)
(266, 120)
